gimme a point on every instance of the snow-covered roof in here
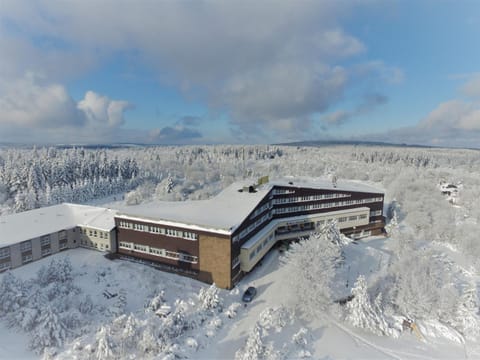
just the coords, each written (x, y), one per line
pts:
(34, 223)
(224, 212)
(325, 184)
(221, 213)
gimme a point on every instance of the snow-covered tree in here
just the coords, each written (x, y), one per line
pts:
(209, 298)
(363, 313)
(466, 313)
(104, 344)
(50, 330)
(254, 347)
(312, 284)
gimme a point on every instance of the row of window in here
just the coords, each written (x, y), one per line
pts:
(321, 223)
(297, 199)
(5, 265)
(95, 233)
(302, 208)
(26, 246)
(261, 209)
(158, 252)
(4, 252)
(277, 191)
(301, 227)
(324, 205)
(26, 258)
(89, 243)
(261, 245)
(294, 199)
(158, 230)
(361, 234)
(44, 241)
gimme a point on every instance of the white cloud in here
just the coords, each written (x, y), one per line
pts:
(270, 65)
(26, 102)
(472, 87)
(33, 109)
(102, 111)
(453, 114)
(452, 123)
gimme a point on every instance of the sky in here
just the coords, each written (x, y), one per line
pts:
(240, 72)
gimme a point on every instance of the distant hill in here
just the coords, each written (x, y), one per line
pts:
(350, 142)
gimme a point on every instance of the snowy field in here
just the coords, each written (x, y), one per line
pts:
(227, 325)
(88, 307)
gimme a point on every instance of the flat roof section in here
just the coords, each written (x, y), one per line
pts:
(226, 211)
(34, 223)
(222, 213)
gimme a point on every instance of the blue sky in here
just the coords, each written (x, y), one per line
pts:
(201, 72)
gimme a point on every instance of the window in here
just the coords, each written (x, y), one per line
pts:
(46, 251)
(342, 219)
(172, 254)
(63, 245)
(4, 252)
(5, 265)
(189, 235)
(45, 240)
(352, 218)
(125, 245)
(156, 251)
(235, 262)
(26, 258)
(90, 232)
(363, 216)
(376, 213)
(252, 255)
(170, 232)
(141, 248)
(188, 258)
(63, 234)
(26, 246)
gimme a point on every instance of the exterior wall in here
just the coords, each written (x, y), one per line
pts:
(176, 252)
(281, 200)
(96, 239)
(15, 255)
(5, 258)
(215, 260)
(52, 243)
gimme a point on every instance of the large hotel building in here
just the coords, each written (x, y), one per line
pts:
(222, 238)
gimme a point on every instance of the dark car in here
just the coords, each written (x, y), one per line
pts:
(249, 294)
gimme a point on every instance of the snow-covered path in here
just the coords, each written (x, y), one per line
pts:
(269, 294)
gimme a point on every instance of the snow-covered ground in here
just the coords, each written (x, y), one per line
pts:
(325, 338)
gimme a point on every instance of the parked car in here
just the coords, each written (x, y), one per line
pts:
(249, 294)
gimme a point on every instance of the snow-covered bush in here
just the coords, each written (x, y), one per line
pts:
(209, 298)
